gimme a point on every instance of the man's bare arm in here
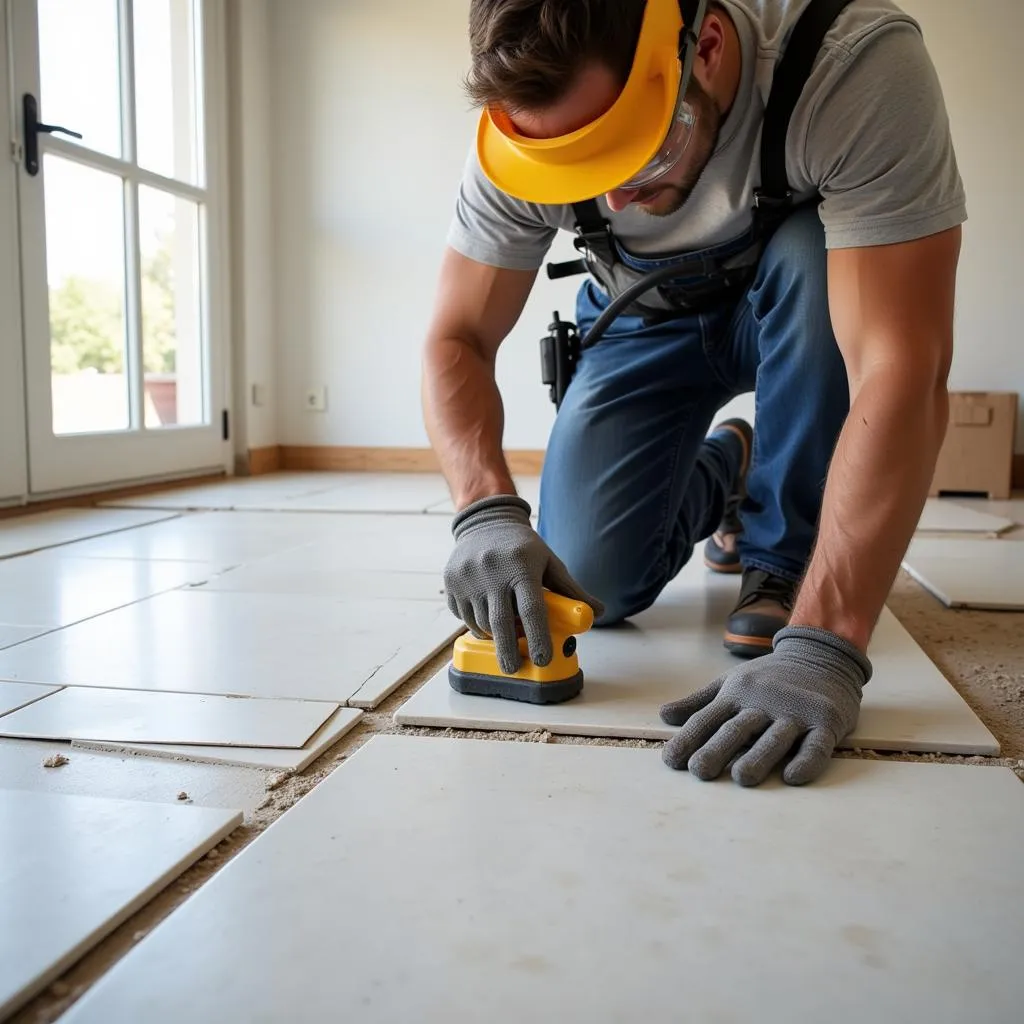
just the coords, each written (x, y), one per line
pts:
(476, 308)
(892, 312)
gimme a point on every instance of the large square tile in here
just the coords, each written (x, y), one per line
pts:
(510, 882)
(72, 868)
(376, 492)
(675, 648)
(19, 695)
(369, 556)
(29, 765)
(941, 515)
(969, 573)
(267, 492)
(46, 590)
(112, 715)
(11, 635)
(20, 535)
(274, 758)
(219, 540)
(352, 651)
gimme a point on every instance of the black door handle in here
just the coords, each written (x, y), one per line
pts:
(33, 126)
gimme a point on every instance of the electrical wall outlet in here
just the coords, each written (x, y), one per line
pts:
(316, 399)
(259, 394)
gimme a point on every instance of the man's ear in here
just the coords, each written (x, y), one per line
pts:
(707, 61)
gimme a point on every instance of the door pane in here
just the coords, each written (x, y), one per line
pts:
(172, 337)
(80, 70)
(167, 88)
(85, 275)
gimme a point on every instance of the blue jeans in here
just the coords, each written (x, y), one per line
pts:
(631, 481)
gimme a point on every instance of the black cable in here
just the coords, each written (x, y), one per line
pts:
(620, 302)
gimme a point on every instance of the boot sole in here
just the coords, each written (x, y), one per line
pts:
(747, 646)
(729, 568)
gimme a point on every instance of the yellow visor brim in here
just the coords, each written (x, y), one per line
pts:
(603, 154)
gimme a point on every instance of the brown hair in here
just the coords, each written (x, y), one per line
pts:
(527, 53)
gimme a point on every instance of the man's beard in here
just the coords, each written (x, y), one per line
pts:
(667, 199)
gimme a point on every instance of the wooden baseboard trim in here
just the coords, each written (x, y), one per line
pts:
(390, 460)
(265, 460)
(93, 498)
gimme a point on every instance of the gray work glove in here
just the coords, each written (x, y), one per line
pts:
(809, 687)
(497, 570)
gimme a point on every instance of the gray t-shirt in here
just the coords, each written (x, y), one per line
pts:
(870, 134)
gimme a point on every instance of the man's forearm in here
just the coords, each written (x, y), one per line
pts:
(465, 420)
(877, 484)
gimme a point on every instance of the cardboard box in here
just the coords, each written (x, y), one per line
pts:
(977, 455)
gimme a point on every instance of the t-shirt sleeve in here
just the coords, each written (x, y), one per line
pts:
(878, 145)
(491, 227)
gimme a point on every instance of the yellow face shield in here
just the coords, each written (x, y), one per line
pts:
(634, 142)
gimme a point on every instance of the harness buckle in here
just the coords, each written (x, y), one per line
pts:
(596, 245)
(772, 203)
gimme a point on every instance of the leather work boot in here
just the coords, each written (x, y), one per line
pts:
(720, 554)
(763, 608)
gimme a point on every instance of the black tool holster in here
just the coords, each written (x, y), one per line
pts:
(559, 353)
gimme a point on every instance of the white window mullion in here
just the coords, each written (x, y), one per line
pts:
(133, 311)
(126, 19)
(132, 245)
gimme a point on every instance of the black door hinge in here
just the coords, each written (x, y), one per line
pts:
(225, 428)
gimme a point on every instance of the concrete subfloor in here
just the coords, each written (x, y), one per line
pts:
(982, 654)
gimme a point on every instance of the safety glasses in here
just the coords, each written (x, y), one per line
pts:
(684, 120)
(644, 132)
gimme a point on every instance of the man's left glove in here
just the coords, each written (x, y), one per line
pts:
(809, 686)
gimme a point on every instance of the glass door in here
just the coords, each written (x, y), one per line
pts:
(121, 234)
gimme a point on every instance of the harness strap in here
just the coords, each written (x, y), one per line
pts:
(774, 197)
(594, 236)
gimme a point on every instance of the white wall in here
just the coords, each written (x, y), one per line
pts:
(13, 468)
(253, 257)
(370, 132)
(976, 50)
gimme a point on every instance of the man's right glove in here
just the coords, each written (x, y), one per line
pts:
(498, 569)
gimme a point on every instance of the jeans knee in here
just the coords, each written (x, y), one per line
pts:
(621, 585)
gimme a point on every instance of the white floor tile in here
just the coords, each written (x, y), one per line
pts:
(47, 590)
(269, 491)
(22, 534)
(140, 716)
(510, 882)
(1012, 508)
(371, 556)
(969, 573)
(254, 645)
(376, 492)
(942, 515)
(676, 648)
(340, 723)
(18, 695)
(11, 635)
(216, 539)
(124, 776)
(285, 577)
(72, 868)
